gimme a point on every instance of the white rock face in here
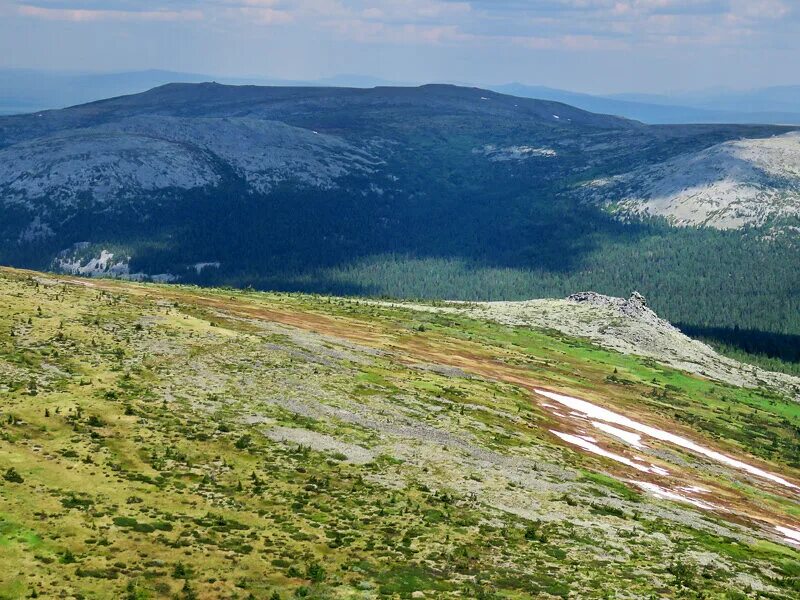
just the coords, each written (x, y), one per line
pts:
(507, 153)
(728, 186)
(102, 265)
(76, 261)
(137, 156)
(105, 166)
(263, 152)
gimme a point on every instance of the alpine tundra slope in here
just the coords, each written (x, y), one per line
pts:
(168, 441)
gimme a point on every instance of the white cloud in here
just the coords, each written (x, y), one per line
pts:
(564, 24)
(90, 15)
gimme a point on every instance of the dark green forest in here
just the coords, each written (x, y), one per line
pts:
(735, 289)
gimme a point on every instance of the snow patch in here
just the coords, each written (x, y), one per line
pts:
(581, 442)
(599, 413)
(633, 439)
(793, 535)
(666, 494)
(507, 153)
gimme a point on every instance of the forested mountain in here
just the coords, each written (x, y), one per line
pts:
(436, 191)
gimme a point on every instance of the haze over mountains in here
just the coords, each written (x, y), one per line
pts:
(28, 90)
(777, 105)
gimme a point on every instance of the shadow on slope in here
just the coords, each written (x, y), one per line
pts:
(785, 347)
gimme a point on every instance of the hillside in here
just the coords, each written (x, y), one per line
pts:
(434, 192)
(166, 441)
(628, 326)
(751, 182)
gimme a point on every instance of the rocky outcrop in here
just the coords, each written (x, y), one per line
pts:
(628, 326)
(736, 184)
(635, 306)
(140, 157)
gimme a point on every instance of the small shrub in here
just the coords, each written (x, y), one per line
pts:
(13, 476)
(179, 571)
(315, 572)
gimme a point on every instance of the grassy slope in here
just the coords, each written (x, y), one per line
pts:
(136, 415)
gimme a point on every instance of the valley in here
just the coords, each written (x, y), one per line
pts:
(432, 192)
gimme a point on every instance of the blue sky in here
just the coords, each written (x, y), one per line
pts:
(586, 45)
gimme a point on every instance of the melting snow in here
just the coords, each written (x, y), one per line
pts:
(582, 442)
(602, 414)
(634, 439)
(793, 535)
(664, 493)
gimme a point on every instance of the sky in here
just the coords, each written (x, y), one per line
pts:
(595, 46)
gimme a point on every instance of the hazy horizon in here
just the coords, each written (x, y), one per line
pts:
(354, 79)
(589, 46)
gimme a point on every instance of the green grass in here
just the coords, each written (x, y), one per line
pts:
(137, 419)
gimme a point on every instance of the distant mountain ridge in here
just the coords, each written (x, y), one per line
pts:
(659, 109)
(775, 98)
(29, 90)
